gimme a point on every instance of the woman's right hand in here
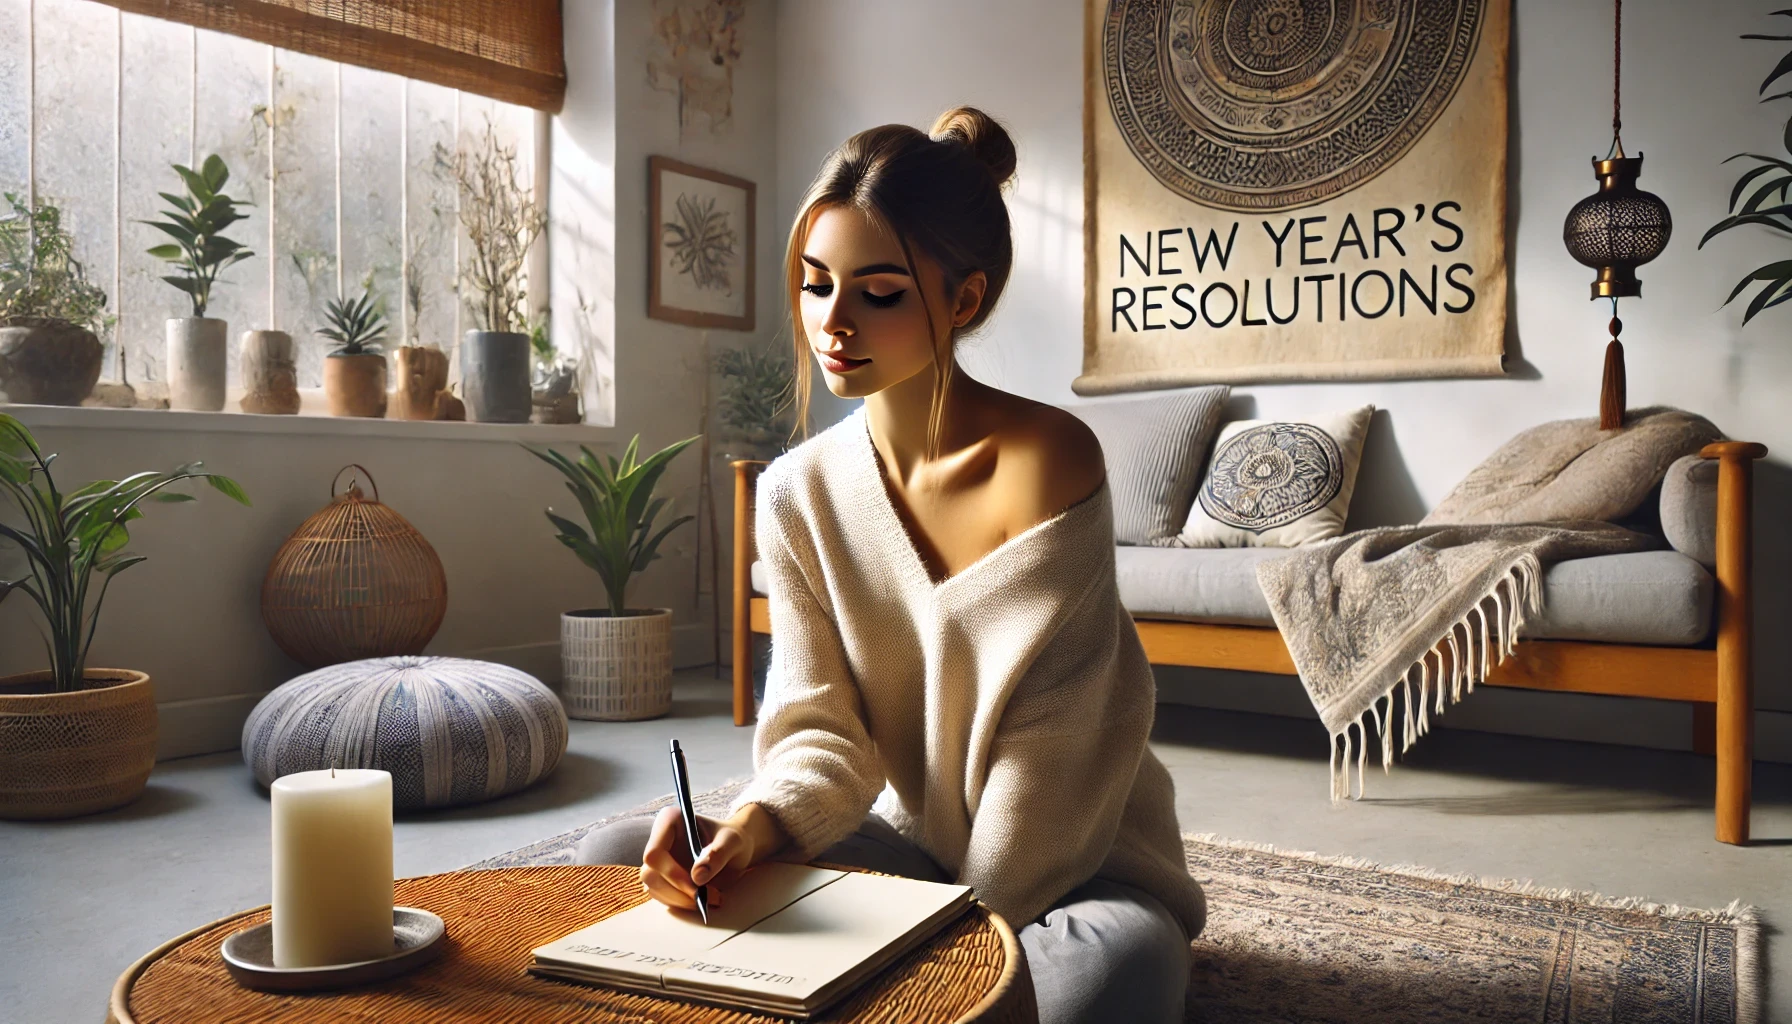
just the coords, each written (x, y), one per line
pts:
(671, 877)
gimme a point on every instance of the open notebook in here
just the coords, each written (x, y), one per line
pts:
(789, 939)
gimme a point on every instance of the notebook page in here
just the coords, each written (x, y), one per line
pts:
(642, 941)
(798, 952)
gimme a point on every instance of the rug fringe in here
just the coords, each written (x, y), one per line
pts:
(1468, 663)
(1737, 913)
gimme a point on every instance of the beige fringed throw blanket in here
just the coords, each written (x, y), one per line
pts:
(1434, 607)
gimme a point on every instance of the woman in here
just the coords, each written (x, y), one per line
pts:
(948, 642)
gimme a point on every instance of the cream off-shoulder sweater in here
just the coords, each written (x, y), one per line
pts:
(998, 718)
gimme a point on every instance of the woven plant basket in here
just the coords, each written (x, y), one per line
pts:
(64, 754)
(616, 669)
(354, 581)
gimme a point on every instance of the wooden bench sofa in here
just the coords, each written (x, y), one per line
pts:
(1716, 676)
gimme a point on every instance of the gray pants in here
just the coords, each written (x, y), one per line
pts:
(1106, 952)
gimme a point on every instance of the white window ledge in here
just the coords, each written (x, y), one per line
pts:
(305, 423)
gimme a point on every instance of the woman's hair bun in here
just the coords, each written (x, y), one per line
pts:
(987, 140)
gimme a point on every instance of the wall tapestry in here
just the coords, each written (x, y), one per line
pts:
(1293, 190)
(700, 242)
(695, 47)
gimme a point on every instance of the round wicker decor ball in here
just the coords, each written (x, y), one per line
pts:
(354, 581)
(451, 731)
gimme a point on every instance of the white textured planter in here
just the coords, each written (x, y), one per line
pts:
(616, 669)
(270, 373)
(196, 363)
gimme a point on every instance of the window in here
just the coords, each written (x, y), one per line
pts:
(350, 172)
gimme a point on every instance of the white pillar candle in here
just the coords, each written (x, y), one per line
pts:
(332, 867)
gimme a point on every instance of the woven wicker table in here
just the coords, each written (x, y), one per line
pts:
(973, 971)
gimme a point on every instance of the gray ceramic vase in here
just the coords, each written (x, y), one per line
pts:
(494, 376)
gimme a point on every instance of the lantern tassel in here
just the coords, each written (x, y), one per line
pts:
(1612, 399)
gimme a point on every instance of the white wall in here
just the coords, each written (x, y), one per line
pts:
(1689, 101)
(190, 616)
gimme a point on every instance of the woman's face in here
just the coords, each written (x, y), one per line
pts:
(862, 311)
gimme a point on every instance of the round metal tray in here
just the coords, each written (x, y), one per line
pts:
(249, 955)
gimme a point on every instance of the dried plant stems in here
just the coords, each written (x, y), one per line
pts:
(502, 220)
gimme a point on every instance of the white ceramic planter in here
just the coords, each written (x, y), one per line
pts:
(616, 669)
(196, 363)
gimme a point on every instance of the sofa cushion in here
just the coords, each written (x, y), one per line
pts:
(1155, 449)
(1278, 484)
(1208, 584)
(1645, 597)
(1689, 508)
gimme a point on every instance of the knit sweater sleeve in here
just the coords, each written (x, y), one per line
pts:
(1062, 765)
(815, 766)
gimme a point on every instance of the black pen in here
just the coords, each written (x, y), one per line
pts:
(681, 784)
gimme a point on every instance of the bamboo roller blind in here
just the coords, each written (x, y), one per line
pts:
(506, 49)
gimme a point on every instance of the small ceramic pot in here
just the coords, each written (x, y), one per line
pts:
(196, 363)
(45, 361)
(64, 754)
(616, 669)
(270, 373)
(356, 385)
(421, 375)
(494, 373)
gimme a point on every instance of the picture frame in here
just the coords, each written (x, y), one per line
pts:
(700, 241)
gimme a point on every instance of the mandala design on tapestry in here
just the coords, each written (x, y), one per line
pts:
(1272, 474)
(1265, 105)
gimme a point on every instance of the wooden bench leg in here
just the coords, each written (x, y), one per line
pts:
(1735, 657)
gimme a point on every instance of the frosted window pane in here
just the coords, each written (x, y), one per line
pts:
(15, 116)
(430, 214)
(305, 203)
(232, 104)
(156, 132)
(373, 187)
(76, 145)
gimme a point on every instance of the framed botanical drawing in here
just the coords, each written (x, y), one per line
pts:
(700, 246)
(1283, 190)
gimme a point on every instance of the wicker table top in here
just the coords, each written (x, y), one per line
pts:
(973, 971)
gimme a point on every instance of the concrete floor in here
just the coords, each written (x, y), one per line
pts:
(81, 899)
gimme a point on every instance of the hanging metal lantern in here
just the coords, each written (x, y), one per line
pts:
(1615, 230)
(1618, 228)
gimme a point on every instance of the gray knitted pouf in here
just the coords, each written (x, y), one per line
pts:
(451, 731)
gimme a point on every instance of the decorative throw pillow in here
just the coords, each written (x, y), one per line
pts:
(1153, 447)
(1278, 484)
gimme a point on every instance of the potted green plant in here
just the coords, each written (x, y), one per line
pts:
(555, 387)
(616, 661)
(199, 253)
(1766, 204)
(75, 739)
(355, 373)
(49, 310)
(756, 396)
(502, 220)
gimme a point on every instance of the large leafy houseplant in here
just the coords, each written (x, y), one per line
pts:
(74, 541)
(1766, 205)
(616, 497)
(197, 221)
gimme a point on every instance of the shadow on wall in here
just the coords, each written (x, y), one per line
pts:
(1385, 494)
(1773, 585)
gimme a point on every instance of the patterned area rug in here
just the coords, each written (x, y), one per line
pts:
(1297, 938)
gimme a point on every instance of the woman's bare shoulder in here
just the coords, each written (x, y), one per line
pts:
(1050, 458)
